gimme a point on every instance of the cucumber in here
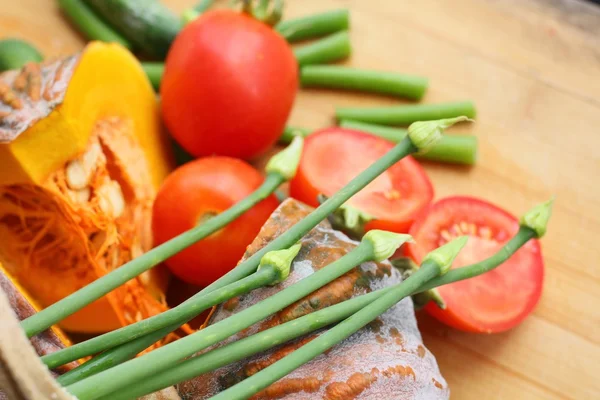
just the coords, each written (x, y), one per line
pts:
(150, 25)
(14, 53)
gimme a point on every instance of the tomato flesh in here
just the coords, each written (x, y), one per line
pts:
(199, 190)
(332, 157)
(229, 85)
(497, 300)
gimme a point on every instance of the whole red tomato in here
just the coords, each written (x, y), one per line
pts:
(198, 190)
(228, 86)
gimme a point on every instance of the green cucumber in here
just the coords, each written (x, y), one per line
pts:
(150, 25)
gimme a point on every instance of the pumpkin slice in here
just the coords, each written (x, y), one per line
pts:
(386, 360)
(82, 153)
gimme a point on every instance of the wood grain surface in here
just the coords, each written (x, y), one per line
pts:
(533, 70)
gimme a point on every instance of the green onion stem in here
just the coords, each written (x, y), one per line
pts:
(177, 315)
(167, 356)
(407, 114)
(314, 26)
(333, 336)
(88, 23)
(329, 49)
(455, 149)
(523, 235)
(15, 53)
(246, 347)
(290, 132)
(283, 333)
(154, 71)
(339, 77)
(114, 356)
(76, 301)
(274, 268)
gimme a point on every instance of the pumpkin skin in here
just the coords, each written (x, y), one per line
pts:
(82, 153)
(387, 359)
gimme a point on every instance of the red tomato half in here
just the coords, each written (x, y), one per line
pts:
(497, 300)
(228, 86)
(200, 189)
(332, 157)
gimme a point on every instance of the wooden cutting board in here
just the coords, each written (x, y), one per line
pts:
(533, 70)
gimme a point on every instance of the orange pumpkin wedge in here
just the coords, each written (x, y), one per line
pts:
(82, 153)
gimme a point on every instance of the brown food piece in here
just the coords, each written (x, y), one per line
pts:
(386, 360)
(46, 342)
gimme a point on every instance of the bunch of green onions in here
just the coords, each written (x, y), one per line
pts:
(103, 377)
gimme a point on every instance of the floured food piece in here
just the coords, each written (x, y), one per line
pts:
(386, 360)
(82, 153)
(46, 342)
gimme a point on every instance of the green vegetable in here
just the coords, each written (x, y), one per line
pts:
(407, 114)
(246, 347)
(74, 302)
(88, 23)
(274, 268)
(329, 49)
(341, 331)
(314, 26)
(290, 132)
(154, 71)
(283, 333)
(178, 315)
(455, 149)
(15, 53)
(375, 246)
(338, 77)
(149, 24)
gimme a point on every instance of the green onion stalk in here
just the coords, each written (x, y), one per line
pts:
(375, 246)
(89, 24)
(436, 263)
(15, 53)
(274, 268)
(418, 139)
(281, 168)
(176, 316)
(407, 114)
(285, 332)
(314, 26)
(329, 49)
(453, 149)
(387, 83)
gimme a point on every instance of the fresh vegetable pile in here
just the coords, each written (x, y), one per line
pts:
(227, 80)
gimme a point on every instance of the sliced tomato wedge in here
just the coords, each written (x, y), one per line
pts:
(497, 300)
(332, 157)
